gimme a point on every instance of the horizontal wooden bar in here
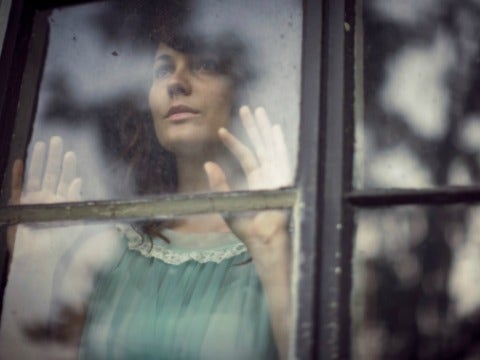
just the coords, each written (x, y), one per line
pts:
(162, 207)
(446, 195)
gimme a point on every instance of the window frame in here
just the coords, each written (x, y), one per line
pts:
(326, 232)
(365, 199)
(324, 217)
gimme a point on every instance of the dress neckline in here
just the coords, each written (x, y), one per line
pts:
(183, 247)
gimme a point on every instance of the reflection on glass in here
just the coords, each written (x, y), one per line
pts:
(421, 124)
(149, 290)
(139, 91)
(415, 293)
(151, 98)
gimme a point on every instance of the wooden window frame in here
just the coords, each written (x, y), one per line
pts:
(322, 196)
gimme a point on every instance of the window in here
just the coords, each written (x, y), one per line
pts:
(385, 196)
(28, 43)
(416, 176)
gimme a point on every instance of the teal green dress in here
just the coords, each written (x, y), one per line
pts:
(196, 297)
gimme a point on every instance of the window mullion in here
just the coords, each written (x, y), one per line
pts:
(335, 225)
(435, 196)
(152, 208)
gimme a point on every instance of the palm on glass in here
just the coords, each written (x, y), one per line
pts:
(265, 167)
(51, 178)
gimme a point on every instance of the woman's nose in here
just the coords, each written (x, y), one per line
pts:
(179, 83)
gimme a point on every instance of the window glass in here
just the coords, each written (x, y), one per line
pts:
(415, 283)
(419, 80)
(132, 101)
(112, 67)
(142, 290)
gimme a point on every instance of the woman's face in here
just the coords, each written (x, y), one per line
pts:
(189, 99)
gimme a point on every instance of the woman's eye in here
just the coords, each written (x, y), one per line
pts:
(209, 66)
(162, 70)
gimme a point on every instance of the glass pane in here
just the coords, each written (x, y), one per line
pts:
(415, 283)
(419, 122)
(182, 288)
(139, 90)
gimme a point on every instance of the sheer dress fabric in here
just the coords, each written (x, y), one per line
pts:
(196, 297)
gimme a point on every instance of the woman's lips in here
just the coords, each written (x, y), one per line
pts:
(181, 112)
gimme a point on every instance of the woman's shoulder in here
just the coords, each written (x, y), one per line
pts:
(98, 244)
(98, 247)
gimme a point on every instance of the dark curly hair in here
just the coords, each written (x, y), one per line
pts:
(150, 168)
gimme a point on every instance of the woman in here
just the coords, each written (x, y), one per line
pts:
(188, 290)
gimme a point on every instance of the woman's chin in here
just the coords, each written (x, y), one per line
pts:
(192, 146)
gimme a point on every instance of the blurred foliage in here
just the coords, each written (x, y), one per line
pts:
(385, 39)
(414, 317)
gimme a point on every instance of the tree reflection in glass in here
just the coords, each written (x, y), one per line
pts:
(195, 287)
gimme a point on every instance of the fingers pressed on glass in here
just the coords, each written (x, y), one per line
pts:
(247, 159)
(281, 155)
(253, 132)
(54, 164)
(216, 177)
(69, 167)
(267, 166)
(74, 190)
(52, 178)
(265, 128)
(35, 170)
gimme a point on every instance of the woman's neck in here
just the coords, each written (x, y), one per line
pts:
(191, 176)
(205, 223)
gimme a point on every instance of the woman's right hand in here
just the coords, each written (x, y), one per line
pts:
(50, 179)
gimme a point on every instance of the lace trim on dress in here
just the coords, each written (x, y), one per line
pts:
(153, 248)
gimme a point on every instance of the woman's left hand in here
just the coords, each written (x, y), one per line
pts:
(265, 233)
(267, 167)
